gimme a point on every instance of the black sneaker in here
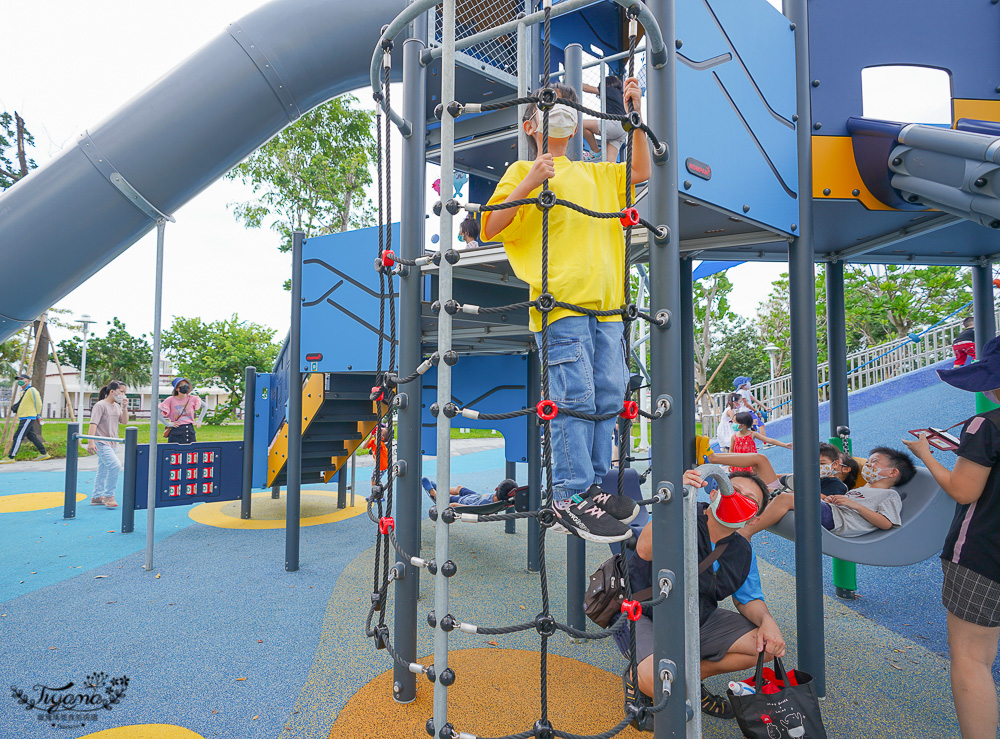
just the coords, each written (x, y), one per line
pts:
(621, 507)
(715, 705)
(585, 520)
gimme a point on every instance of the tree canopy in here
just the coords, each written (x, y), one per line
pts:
(14, 142)
(119, 355)
(218, 353)
(312, 176)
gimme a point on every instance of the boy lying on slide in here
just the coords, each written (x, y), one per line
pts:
(876, 505)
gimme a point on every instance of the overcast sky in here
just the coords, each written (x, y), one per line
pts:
(68, 65)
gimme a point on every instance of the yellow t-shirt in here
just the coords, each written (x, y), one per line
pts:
(586, 255)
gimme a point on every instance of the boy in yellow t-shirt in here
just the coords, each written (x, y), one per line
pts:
(587, 367)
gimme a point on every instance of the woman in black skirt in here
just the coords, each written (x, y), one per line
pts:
(971, 555)
(178, 412)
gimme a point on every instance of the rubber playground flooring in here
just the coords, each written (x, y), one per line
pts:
(219, 641)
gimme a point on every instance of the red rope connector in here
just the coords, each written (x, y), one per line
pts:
(632, 609)
(547, 410)
(378, 393)
(630, 410)
(386, 524)
(389, 258)
(630, 217)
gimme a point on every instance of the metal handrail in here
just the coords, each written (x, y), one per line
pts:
(97, 438)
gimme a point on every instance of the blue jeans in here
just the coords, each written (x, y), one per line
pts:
(587, 373)
(471, 497)
(108, 467)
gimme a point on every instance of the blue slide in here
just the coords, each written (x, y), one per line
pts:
(81, 210)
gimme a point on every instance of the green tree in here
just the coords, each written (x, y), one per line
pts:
(118, 355)
(14, 142)
(746, 356)
(218, 353)
(312, 176)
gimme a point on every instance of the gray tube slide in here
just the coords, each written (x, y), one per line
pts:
(177, 137)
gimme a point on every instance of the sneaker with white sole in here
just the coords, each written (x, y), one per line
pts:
(621, 507)
(582, 518)
(42, 458)
(7, 460)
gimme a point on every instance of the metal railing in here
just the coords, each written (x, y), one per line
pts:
(131, 441)
(864, 368)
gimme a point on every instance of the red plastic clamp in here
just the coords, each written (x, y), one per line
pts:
(378, 393)
(632, 609)
(630, 217)
(389, 258)
(386, 524)
(630, 410)
(547, 410)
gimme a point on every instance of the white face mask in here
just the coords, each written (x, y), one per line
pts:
(873, 474)
(562, 122)
(993, 396)
(827, 469)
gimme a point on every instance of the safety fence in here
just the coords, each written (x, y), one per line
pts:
(864, 368)
(475, 16)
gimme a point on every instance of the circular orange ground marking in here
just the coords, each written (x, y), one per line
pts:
(317, 507)
(495, 693)
(145, 731)
(22, 502)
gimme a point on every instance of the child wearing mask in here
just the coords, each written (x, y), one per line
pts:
(586, 259)
(875, 505)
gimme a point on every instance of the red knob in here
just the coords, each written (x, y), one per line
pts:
(386, 524)
(630, 217)
(389, 258)
(632, 609)
(547, 410)
(630, 410)
(378, 393)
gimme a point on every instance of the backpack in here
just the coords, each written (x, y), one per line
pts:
(606, 592)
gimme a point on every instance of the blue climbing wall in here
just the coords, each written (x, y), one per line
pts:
(341, 301)
(736, 102)
(488, 384)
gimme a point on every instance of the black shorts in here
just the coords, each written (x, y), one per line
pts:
(182, 434)
(723, 629)
(970, 596)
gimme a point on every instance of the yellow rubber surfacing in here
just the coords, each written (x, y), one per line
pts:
(23, 502)
(495, 693)
(317, 507)
(145, 731)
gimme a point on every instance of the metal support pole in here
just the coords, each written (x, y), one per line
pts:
(845, 574)
(128, 488)
(154, 397)
(982, 304)
(249, 405)
(576, 548)
(445, 283)
(72, 455)
(293, 501)
(687, 363)
(805, 420)
(534, 457)
(276, 492)
(510, 472)
(408, 490)
(342, 487)
(669, 392)
(354, 459)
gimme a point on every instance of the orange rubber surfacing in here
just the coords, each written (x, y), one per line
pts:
(495, 693)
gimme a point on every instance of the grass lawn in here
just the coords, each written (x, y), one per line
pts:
(54, 436)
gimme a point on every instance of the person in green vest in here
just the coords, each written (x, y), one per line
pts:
(29, 410)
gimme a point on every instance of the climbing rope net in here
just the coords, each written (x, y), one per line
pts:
(389, 264)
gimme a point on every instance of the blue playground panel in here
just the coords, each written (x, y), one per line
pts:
(488, 384)
(736, 103)
(263, 426)
(341, 302)
(849, 35)
(206, 472)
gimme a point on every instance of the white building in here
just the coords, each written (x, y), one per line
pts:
(55, 403)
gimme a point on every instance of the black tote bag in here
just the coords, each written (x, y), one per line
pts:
(791, 713)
